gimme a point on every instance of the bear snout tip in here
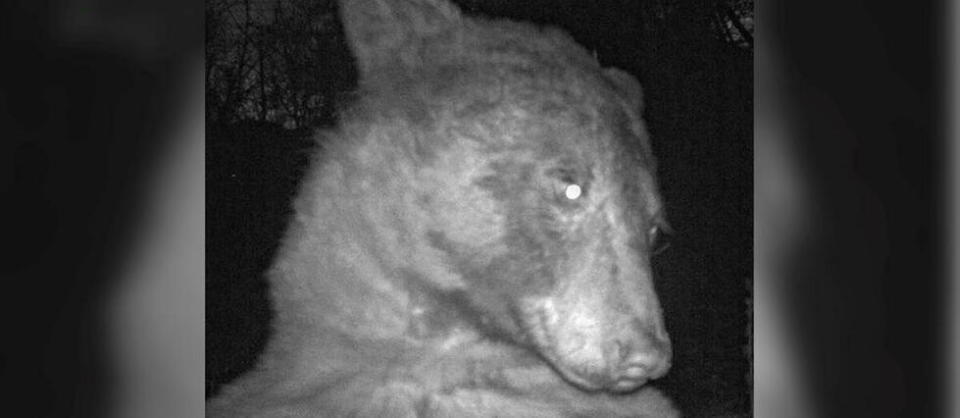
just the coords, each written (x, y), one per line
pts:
(640, 363)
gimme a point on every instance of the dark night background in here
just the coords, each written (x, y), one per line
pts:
(698, 93)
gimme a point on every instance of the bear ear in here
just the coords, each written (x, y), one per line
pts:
(387, 33)
(630, 90)
(627, 84)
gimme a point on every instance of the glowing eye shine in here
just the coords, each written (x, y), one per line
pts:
(572, 191)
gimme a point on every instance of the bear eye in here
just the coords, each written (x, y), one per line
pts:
(564, 185)
(568, 189)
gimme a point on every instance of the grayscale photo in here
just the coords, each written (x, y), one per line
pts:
(479, 208)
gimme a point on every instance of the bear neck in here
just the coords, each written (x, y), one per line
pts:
(340, 272)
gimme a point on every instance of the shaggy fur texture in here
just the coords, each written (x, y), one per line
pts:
(473, 240)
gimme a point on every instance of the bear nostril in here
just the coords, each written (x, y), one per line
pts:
(643, 361)
(646, 366)
(634, 372)
(630, 376)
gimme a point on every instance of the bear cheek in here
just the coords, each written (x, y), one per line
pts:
(466, 219)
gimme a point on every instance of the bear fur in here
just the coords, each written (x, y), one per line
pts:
(474, 238)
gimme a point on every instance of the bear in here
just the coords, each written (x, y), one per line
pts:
(474, 237)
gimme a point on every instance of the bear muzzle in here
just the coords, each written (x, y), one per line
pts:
(637, 358)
